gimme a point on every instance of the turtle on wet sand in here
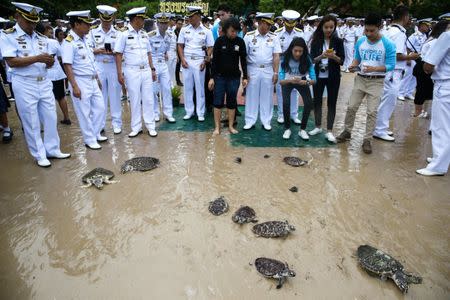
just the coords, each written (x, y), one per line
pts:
(218, 206)
(378, 263)
(294, 161)
(273, 229)
(266, 156)
(98, 177)
(245, 214)
(294, 189)
(272, 268)
(142, 164)
(238, 160)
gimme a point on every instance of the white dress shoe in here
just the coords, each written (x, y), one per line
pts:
(315, 131)
(157, 119)
(117, 130)
(330, 137)
(297, 121)
(201, 119)
(171, 120)
(426, 172)
(409, 97)
(384, 137)
(248, 126)
(187, 117)
(401, 98)
(102, 138)
(280, 120)
(429, 159)
(44, 163)
(389, 133)
(94, 146)
(287, 134)
(267, 127)
(152, 133)
(60, 155)
(302, 133)
(134, 133)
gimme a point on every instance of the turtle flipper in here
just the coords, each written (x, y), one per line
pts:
(111, 181)
(86, 185)
(254, 221)
(401, 280)
(410, 278)
(281, 281)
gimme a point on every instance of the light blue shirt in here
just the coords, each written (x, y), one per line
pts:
(380, 53)
(295, 71)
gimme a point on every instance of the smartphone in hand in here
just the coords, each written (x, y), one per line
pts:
(108, 47)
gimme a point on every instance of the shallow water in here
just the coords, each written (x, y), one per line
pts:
(151, 235)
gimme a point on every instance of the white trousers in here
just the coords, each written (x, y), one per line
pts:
(163, 86)
(172, 64)
(139, 84)
(349, 48)
(294, 102)
(440, 127)
(35, 104)
(192, 76)
(90, 108)
(111, 90)
(259, 96)
(388, 100)
(408, 84)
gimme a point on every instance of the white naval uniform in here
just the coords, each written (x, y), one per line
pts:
(308, 31)
(135, 47)
(90, 108)
(396, 33)
(107, 74)
(260, 50)
(349, 36)
(195, 40)
(160, 47)
(173, 57)
(285, 40)
(56, 72)
(33, 91)
(439, 56)
(408, 84)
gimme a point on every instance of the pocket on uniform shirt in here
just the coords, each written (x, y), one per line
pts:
(443, 91)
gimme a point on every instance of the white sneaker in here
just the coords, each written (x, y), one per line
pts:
(171, 120)
(409, 97)
(429, 159)
(248, 126)
(280, 120)
(187, 117)
(157, 119)
(201, 119)
(152, 133)
(60, 155)
(94, 146)
(315, 131)
(287, 134)
(426, 172)
(330, 137)
(267, 127)
(401, 98)
(297, 121)
(101, 138)
(423, 115)
(384, 137)
(389, 133)
(117, 130)
(134, 134)
(302, 133)
(44, 163)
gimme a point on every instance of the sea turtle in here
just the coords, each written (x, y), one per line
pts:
(238, 160)
(294, 161)
(273, 268)
(218, 206)
(266, 156)
(140, 164)
(378, 263)
(273, 229)
(98, 177)
(294, 189)
(245, 214)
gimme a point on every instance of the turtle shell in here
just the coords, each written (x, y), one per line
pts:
(294, 161)
(269, 267)
(96, 173)
(244, 214)
(142, 164)
(218, 206)
(377, 262)
(273, 229)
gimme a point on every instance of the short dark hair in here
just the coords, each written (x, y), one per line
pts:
(224, 7)
(439, 28)
(400, 11)
(73, 20)
(231, 22)
(373, 19)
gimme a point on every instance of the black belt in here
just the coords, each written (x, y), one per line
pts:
(371, 76)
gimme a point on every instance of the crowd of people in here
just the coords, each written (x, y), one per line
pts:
(103, 62)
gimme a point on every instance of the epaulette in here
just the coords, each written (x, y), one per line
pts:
(69, 38)
(270, 32)
(298, 29)
(251, 32)
(94, 26)
(279, 29)
(10, 30)
(123, 29)
(41, 35)
(117, 27)
(152, 33)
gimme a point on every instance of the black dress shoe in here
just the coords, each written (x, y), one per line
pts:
(180, 84)
(7, 136)
(66, 122)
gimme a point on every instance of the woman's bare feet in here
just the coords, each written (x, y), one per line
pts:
(232, 130)
(216, 131)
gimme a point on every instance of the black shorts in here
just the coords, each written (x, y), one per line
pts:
(4, 102)
(58, 89)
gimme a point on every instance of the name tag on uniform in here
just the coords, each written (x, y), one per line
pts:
(202, 33)
(80, 47)
(97, 36)
(22, 43)
(187, 32)
(131, 37)
(113, 36)
(236, 48)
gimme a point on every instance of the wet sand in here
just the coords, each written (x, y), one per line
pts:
(151, 236)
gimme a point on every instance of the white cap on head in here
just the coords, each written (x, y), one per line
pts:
(290, 15)
(28, 11)
(267, 17)
(82, 15)
(192, 10)
(162, 17)
(138, 11)
(445, 16)
(426, 21)
(2, 20)
(312, 18)
(106, 12)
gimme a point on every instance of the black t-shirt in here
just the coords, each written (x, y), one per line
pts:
(226, 56)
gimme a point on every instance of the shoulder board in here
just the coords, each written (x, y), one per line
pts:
(116, 27)
(69, 38)
(152, 33)
(41, 35)
(279, 29)
(10, 30)
(94, 26)
(298, 29)
(251, 32)
(123, 29)
(271, 33)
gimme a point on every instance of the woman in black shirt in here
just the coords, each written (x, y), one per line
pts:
(229, 49)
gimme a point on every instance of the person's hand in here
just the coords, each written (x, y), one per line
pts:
(166, 56)
(244, 83)
(369, 69)
(414, 55)
(211, 84)
(275, 78)
(353, 68)
(184, 64)
(153, 75)
(76, 92)
(45, 58)
(328, 54)
(99, 84)
(100, 51)
(121, 79)
(202, 66)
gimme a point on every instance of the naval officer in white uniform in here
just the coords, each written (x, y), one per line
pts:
(26, 53)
